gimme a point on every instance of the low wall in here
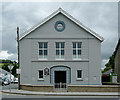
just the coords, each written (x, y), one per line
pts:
(94, 88)
(41, 88)
(73, 88)
(110, 83)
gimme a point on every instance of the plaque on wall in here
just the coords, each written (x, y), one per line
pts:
(46, 71)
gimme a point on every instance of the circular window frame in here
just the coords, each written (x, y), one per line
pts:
(59, 22)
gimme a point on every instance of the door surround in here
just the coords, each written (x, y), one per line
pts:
(60, 68)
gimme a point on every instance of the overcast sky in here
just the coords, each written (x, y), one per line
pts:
(100, 17)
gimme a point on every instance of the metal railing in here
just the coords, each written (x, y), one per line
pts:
(60, 86)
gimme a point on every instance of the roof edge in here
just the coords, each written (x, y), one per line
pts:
(67, 15)
(117, 47)
(39, 24)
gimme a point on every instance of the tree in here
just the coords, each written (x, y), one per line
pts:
(15, 64)
(111, 62)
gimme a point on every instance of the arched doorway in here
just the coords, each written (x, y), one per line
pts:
(60, 74)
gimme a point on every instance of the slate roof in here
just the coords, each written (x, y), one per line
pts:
(118, 44)
(108, 72)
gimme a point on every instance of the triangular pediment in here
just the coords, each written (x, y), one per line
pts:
(57, 14)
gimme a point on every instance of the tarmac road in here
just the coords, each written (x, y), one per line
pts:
(32, 97)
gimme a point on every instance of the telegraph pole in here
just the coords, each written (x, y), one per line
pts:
(18, 58)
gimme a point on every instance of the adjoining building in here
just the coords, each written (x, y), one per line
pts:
(117, 60)
(60, 50)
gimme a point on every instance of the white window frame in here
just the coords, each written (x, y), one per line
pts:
(38, 75)
(60, 57)
(79, 79)
(43, 57)
(76, 57)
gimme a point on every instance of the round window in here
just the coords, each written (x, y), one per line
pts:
(59, 26)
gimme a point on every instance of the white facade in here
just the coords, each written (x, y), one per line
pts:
(71, 52)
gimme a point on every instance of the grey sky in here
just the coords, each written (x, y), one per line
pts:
(100, 17)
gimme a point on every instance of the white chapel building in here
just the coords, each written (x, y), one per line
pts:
(60, 50)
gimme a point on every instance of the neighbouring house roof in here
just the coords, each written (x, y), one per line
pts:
(68, 16)
(3, 71)
(108, 72)
(118, 44)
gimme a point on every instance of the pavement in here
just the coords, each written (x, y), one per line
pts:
(24, 92)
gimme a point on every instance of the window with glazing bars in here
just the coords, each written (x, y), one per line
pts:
(43, 49)
(60, 50)
(77, 49)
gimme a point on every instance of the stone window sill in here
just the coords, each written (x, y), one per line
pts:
(59, 59)
(42, 59)
(79, 79)
(41, 79)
